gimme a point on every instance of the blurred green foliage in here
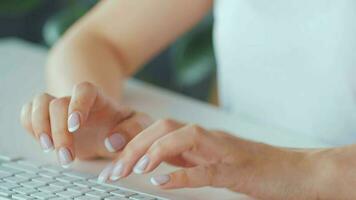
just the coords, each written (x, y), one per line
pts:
(17, 7)
(187, 66)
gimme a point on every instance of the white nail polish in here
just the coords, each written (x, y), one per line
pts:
(160, 180)
(65, 157)
(114, 142)
(141, 165)
(117, 171)
(46, 143)
(73, 122)
(105, 174)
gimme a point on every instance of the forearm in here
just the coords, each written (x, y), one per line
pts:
(335, 172)
(82, 57)
(308, 174)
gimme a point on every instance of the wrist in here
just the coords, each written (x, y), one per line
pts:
(334, 177)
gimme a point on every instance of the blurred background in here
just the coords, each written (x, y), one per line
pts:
(188, 64)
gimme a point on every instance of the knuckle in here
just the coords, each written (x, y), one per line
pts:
(166, 124)
(130, 151)
(86, 85)
(184, 178)
(43, 96)
(211, 171)
(158, 148)
(59, 102)
(197, 131)
(40, 98)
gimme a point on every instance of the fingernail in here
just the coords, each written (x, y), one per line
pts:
(116, 172)
(65, 157)
(114, 142)
(141, 165)
(160, 180)
(46, 143)
(104, 175)
(73, 122)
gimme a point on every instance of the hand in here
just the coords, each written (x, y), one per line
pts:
(85, 125)
(213, 158)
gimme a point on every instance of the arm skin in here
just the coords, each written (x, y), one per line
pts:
(218, 159)
(114, 39)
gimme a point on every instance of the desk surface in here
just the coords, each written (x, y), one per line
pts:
(21, 77)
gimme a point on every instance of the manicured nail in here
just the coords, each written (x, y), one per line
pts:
(141, 165)
(105, 174)
(160, 180)
(46, 143)
(65, 157)
(117, 171)
(73, 122)
(114, 142)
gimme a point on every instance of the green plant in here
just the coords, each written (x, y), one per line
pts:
(58, 23)
(12, 8)
(193, 60)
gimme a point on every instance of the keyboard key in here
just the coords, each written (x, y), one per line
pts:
(79, 175)
(27, 175)
(9, 158)
(6, 193)
(4, 175)
(15, 179)
(32, 184)
(84, 183)
(61, 184)
(52, 168)
(30, 163)
(8, 186)
(122, 193)
(21, 197)
(59, 198)
(141, 197)
(103, 188)
(87, 198)
(115, 198)
(10, 170)
(67, 179)
(98, 194)
(50, 189)
(24, 190)
(43, 195)
(43, 180)
(18, 166)
(69, 194)
(79, 189)
(49, 174)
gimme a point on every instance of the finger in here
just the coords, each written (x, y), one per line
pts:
(40, 121)
(83, 98)
(175, 144)
(87, 97)
(215, 175)
(125, 131)
(135, 149)
(25, 117)
(63, 140)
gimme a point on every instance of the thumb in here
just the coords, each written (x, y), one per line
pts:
(215, 175)
(121, 134)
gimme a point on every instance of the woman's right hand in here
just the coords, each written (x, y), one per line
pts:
(85, 125)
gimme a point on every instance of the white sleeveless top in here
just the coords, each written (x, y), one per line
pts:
(289, 64)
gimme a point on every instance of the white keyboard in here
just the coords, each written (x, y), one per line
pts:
(25, 180)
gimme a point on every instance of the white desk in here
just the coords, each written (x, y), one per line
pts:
(21, 77)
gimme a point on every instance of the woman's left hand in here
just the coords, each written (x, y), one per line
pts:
(214, 158)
